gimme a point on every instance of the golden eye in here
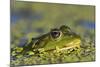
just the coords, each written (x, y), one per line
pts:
(55, 34)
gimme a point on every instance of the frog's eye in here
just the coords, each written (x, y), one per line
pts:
(55, 34)
(65, 29)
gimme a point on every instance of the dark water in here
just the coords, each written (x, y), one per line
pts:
(86, 24)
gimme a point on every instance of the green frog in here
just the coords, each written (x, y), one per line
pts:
(63, 38)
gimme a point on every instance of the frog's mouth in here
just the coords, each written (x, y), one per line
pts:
(74, 44)
(71, 45)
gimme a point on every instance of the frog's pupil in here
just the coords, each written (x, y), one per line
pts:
(55, 34)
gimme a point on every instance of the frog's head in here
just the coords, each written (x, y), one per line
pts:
(63, 37)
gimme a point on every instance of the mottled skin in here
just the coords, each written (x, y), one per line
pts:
(63, 38)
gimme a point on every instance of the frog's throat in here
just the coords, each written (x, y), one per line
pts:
(76, 43)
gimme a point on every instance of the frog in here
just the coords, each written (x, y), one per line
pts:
(63, 38)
